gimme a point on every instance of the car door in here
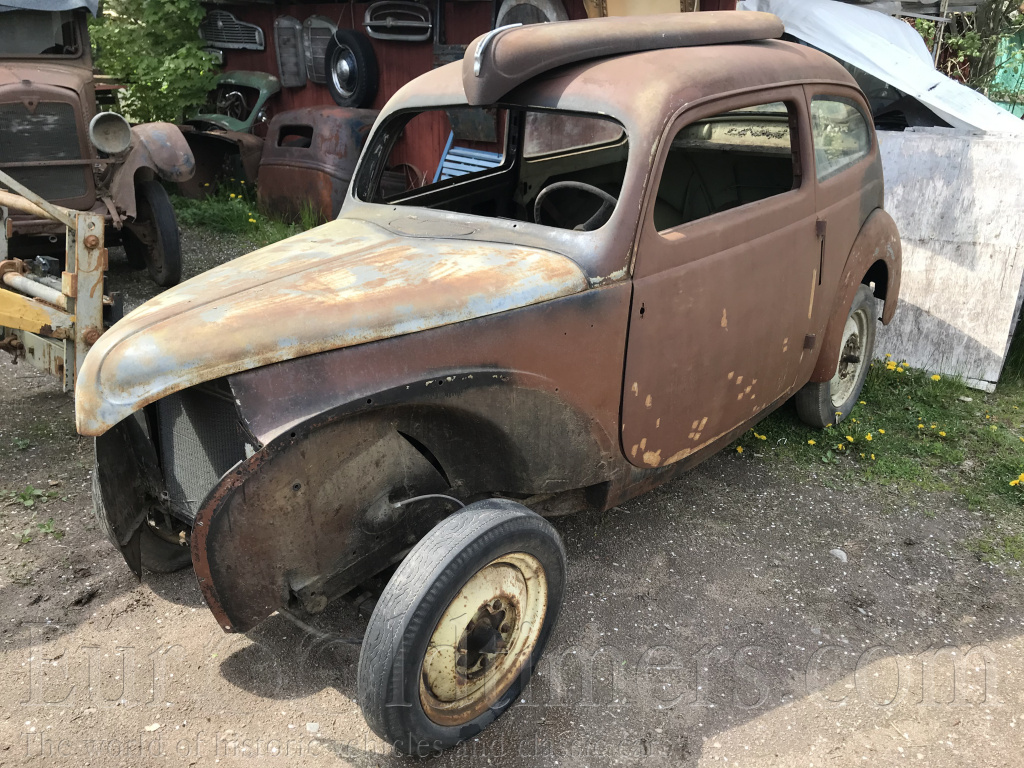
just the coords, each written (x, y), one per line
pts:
(725, 277)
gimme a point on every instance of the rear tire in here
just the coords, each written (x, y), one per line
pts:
(152, 239)
(460, 627)
(824, 403)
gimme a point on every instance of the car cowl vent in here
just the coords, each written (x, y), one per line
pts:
(223, 30)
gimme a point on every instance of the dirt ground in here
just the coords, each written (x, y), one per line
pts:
(706, 623)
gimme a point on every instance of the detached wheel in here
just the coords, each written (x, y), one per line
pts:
(161, 552)
(830, 402)
(152, 239)
(351, 67)
(460, 627)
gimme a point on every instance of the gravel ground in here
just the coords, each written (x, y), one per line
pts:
(706, 623)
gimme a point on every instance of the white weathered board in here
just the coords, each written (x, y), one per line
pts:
(958, 199)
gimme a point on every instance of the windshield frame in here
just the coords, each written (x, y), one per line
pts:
(367, 184)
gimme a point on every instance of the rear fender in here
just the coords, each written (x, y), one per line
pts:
(876, 257)
(157, 149)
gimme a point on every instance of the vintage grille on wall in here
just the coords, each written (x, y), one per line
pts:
(316, 33)
(291, 62)
(223, 30)
(47, 133)
(200, 439)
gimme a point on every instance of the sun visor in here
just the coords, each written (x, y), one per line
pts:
(498, 61)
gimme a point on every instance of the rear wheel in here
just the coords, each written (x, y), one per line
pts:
(820, 404)
(460, 627)
(152, 239)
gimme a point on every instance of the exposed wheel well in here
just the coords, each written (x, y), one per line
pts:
(878, 274)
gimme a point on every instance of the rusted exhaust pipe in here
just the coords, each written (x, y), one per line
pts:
(37, 290)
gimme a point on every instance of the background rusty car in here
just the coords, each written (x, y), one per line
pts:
(53, 140)
(605, 285)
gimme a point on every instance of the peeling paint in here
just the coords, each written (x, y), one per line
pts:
(653, 458)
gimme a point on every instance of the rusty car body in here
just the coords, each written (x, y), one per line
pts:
(53, 140)
(446, 339)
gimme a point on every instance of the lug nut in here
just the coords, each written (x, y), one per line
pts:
(91, 335)
(91, 241)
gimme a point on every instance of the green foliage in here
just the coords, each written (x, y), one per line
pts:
(21, 443)
(234, 211)
(915, 431)
(153, 47)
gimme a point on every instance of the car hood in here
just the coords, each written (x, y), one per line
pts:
(345, 283)
(44, 73)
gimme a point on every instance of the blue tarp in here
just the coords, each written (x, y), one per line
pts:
(50, 5)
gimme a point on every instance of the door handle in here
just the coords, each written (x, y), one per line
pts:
(819, 227)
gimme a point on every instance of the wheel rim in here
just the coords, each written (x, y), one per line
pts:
(343, 71)
(851, 358)
(484, 639)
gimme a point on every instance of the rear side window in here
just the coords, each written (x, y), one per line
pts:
(840, 133)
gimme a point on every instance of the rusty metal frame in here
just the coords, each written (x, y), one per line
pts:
(50, 328)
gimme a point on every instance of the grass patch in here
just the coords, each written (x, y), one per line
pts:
(923, 432)
(234, 211)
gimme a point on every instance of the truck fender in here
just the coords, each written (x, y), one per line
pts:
(876, 257)
(157, 149)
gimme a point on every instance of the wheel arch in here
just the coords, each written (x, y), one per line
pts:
(317, 499)
(876, 257)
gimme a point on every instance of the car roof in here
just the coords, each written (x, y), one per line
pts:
(641, 90)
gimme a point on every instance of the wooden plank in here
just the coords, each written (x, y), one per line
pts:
(956, 198)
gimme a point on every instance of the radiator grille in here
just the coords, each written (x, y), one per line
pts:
(200, 439)
(291, 63)
(50, 132)
(223, 30)
(317, 32)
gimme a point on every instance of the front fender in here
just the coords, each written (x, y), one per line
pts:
(157, 149)
(876, 257)
(311, 515)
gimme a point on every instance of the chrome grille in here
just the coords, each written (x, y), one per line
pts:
(222, 30)
(317, 32)
(291, 63)
(47, 133)
(200, 438)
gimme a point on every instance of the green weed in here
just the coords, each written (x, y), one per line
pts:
(233, 210)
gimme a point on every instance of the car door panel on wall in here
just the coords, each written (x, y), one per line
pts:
(725, 278)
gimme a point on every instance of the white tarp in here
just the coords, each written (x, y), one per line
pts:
(892, 51)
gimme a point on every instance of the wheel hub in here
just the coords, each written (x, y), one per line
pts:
(851, 359)
(483, 640)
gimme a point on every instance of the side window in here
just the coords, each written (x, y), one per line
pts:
(725, 161)
(840, 133)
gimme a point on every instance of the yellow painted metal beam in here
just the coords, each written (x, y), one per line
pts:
(26, 314)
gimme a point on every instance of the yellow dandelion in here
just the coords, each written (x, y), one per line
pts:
(936, 377)
(993, 427)
(881, 431)
(890, 366)
(862, 455)
(739, 449)
(241, 182)
(849, 438)
(887, 355)
(862, 402)
(759, 437)
(252, 221)
(814, 442)
(933, 426)
(1015, 482)
(942, 434)
(920, 426)
(872, 457)
(206, 184)
(899, 370)
(868, 437)
(841, 447)
(231, 196)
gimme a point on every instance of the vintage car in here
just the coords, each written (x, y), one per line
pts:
(676, 228)
(55, 142)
